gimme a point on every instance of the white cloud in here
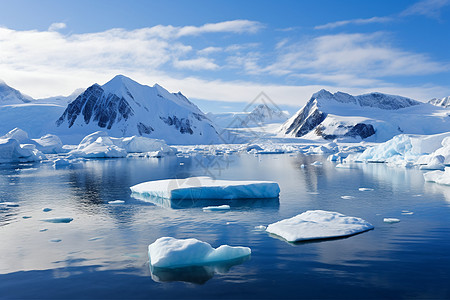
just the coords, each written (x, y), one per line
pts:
(57, 26)
(235, 26)
(428, 8)
(368, 55)
(201, 63)
(354, 22)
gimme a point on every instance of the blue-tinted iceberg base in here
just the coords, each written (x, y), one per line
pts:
(168, 252)
(207, 188)
(318, 224)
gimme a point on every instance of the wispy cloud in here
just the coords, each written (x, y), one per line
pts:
(428, 8)
(57, 26)
(201, 63)
(368, 55)
(354, 22)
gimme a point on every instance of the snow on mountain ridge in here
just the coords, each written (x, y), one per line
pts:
(444, 102)
(9, 95)
(375, 115)
(124, 107)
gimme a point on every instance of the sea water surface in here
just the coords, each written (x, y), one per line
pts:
(102, 253)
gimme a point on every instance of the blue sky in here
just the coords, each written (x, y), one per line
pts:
(223, 53)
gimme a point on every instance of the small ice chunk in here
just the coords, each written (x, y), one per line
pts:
(407, 212)
(26, 217)
(58, 220)
(391, 220)
(316, 163)
(46, 209)
(168, 252)
(302, 166)
(60, 163)
(216, 208)
(55, 240)
(363, 189)
(116, 202)
(207, 188)
(95, 238)
(347, 197)
(43, 229)
(260, 228)
(313, 193)
(318, 224)
(181, 163)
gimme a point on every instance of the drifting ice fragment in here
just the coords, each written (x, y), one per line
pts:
(260, 228)
(58, 220)
(116, 202)
(55, 240)
(46, 209)
(207, 188)
(365, 189)
(391, 220)
(217, 208)
(407, 212)
(440, 177)
(43, 229)
(318, 224)
(168, 252)
(347, 197)
(316, 163)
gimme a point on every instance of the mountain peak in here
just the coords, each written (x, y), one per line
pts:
(9, 95)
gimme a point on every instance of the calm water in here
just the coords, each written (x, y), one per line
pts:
(103, 251)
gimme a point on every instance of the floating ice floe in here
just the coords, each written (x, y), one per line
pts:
(46, 209)
(216, 208)
(168, 252)
(27, 217)
(364, 189)
(55, 240)
(43, 229)
(260, 227)
(391, 220)
(316, 163)
(58, 220)
(318, 224)
(116, 202)
(207, 188)
(407, 212)
(347, 197)
(440, 177)
(98, 145)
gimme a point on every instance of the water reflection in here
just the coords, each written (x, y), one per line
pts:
(189, 203)
(194, 274)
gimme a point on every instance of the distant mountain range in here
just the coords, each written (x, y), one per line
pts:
(374, 116)
(123, 107)
(260, 115)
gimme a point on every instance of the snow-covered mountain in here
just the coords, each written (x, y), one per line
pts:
(374, 116)
(260, 115)
(123, 107)
(443, 102)
(9, 95)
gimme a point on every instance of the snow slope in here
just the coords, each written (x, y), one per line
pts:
(123, 107)
(8, 95)
(376, 117)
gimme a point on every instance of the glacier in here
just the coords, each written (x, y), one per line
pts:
(169, 252)
(197, 188)
(318, 224)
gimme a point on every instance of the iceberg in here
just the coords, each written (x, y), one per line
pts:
(169, 252)
(13, 152)
(318, 224)
(196, 188)
(98, 145)
(440, 177)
